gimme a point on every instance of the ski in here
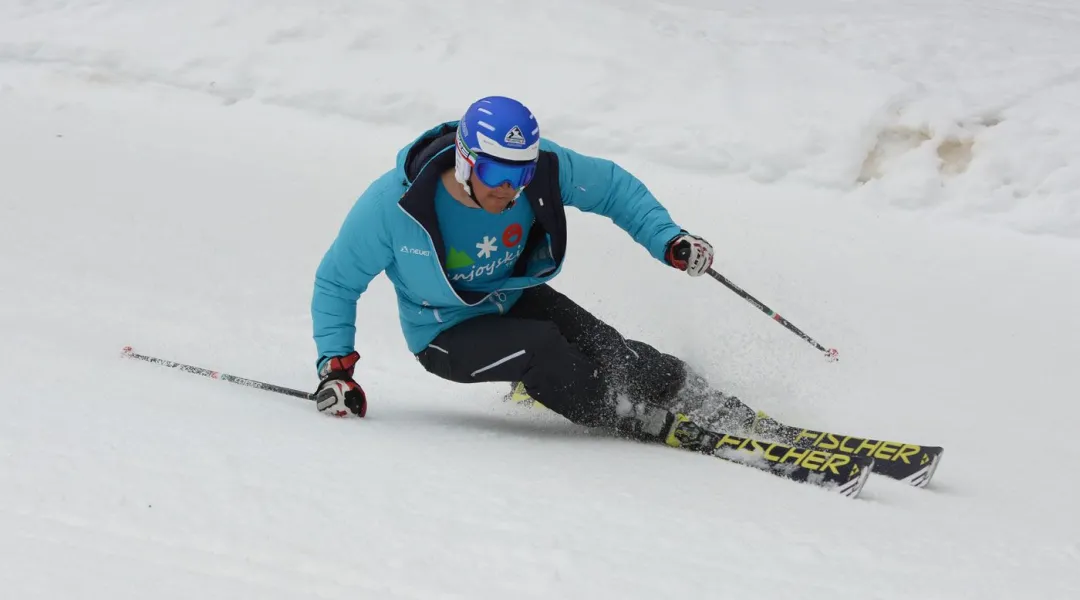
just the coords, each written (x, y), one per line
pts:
(844, 474)
(912, 464)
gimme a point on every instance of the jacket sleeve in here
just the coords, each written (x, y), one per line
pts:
(600, 186)
(361, 251)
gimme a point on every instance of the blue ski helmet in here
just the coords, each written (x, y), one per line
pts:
(500, 138)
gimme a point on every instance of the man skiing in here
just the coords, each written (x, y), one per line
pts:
(470, 228)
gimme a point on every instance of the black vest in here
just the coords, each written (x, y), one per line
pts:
(432, 156)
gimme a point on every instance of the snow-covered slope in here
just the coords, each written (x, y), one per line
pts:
(897, 178)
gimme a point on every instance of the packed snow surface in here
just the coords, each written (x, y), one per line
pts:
(901, 179)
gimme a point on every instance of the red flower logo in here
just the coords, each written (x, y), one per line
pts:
(512, 235)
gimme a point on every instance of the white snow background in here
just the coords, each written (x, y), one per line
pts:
(898, 178)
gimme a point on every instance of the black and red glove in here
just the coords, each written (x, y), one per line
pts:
(689, 253)
(338, 394)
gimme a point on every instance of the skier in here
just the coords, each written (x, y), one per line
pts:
(470, 228)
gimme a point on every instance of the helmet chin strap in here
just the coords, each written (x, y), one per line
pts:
(514, 200)
(472, 196)
(462, 172)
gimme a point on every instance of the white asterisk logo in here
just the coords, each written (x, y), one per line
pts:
(486, 247)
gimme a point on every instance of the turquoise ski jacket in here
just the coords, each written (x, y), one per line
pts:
(393, 228)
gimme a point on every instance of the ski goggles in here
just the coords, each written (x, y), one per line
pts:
(494, 172)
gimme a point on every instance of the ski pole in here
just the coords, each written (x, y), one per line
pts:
(129, 353)
(830, 353)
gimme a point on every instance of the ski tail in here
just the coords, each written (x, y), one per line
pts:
(520, 396)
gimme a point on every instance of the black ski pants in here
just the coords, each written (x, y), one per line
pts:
(568, 359)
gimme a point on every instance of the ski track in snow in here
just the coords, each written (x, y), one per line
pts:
(898, 179)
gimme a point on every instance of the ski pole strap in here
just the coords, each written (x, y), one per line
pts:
(830, 353)
(129, 353)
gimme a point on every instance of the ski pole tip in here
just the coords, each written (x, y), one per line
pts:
(126, 350)
(832, 355)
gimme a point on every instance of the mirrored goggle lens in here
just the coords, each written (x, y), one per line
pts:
(494, 173)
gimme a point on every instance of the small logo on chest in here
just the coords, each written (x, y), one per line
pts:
(416, 251)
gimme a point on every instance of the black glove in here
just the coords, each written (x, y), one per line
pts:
(338, 394)
(689, 253)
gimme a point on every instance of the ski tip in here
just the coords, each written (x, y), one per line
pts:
(922, 477)
(853, 487)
